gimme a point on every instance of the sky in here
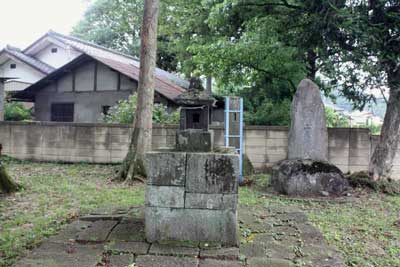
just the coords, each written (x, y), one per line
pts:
(24, 21)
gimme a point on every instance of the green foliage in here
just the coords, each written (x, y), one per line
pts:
(124, 112)
(270, 113)
(15, 111)
(116, 24)
(335, 119)
(162, 115)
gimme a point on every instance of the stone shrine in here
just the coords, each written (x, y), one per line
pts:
(192, 192)
(307, 171)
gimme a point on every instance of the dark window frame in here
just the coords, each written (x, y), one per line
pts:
(62, 112)
(13, 66)
(54, 50)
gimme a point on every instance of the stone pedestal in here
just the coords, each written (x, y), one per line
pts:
(192, 197)
(193, 140)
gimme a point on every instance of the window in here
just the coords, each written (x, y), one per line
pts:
(54, 50)
(196, 118)
(63, 112)
(13, 66)
(106, 110)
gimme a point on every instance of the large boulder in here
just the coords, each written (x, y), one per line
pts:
(308, 178)
(308, 136)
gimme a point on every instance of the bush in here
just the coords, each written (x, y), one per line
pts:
(270, 113)
(335, 119)
(124, 112)
(15, 111)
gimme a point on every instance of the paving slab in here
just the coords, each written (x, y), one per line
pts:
(219, 263)
(273, 237)
(270, 262)
(121, 260)
(168, 250)
(128, 230)
(102, 217)
(62, 255)
(70, 232)
(97, 232)
(165, 261)
(137, 248)
(221, 253)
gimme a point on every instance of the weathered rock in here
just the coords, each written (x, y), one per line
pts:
(193, 140)
(270, 262)
(128, 230)
(211, 201)
(70, 232)
(137, 248)
(212, 173)
(231, 253)
(170, 250)
(97, 232)
(194, 225)
(62, 255)
(120, 260)
(219, 263)
(308, 136)
(165, 196)
(307, 178)
(166, 168)
(165, 261)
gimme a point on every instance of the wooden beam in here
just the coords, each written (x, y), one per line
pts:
(96, 67)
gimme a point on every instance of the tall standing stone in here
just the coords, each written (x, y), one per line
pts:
(308, 136)
(306, 172)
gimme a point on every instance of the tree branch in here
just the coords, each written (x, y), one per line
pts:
(284, 3)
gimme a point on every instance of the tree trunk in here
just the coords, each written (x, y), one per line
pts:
(133, 164)
(7, 185)
(209, 85)
(381, 163)
(311, 59)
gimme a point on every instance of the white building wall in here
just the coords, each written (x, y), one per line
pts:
(22, 72)
(58, 59)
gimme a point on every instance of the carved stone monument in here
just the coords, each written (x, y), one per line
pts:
(307, 171)
(308, 136)
(192, 192)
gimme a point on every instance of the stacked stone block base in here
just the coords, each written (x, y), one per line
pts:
(192, 197)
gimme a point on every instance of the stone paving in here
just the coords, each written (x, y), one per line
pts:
(273, 236)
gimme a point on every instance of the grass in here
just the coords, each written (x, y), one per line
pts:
(365, 228)
(53, 195)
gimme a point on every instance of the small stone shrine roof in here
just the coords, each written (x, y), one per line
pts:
(195, 97)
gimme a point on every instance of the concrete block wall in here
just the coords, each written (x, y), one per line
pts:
(349, 149)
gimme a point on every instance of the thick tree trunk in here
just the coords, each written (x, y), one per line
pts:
(7, 185)
(133, 164)
(382, 159)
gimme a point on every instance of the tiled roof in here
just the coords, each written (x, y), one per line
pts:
(100, 51)
(166, 84)
(163, 86)
(33, 62)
